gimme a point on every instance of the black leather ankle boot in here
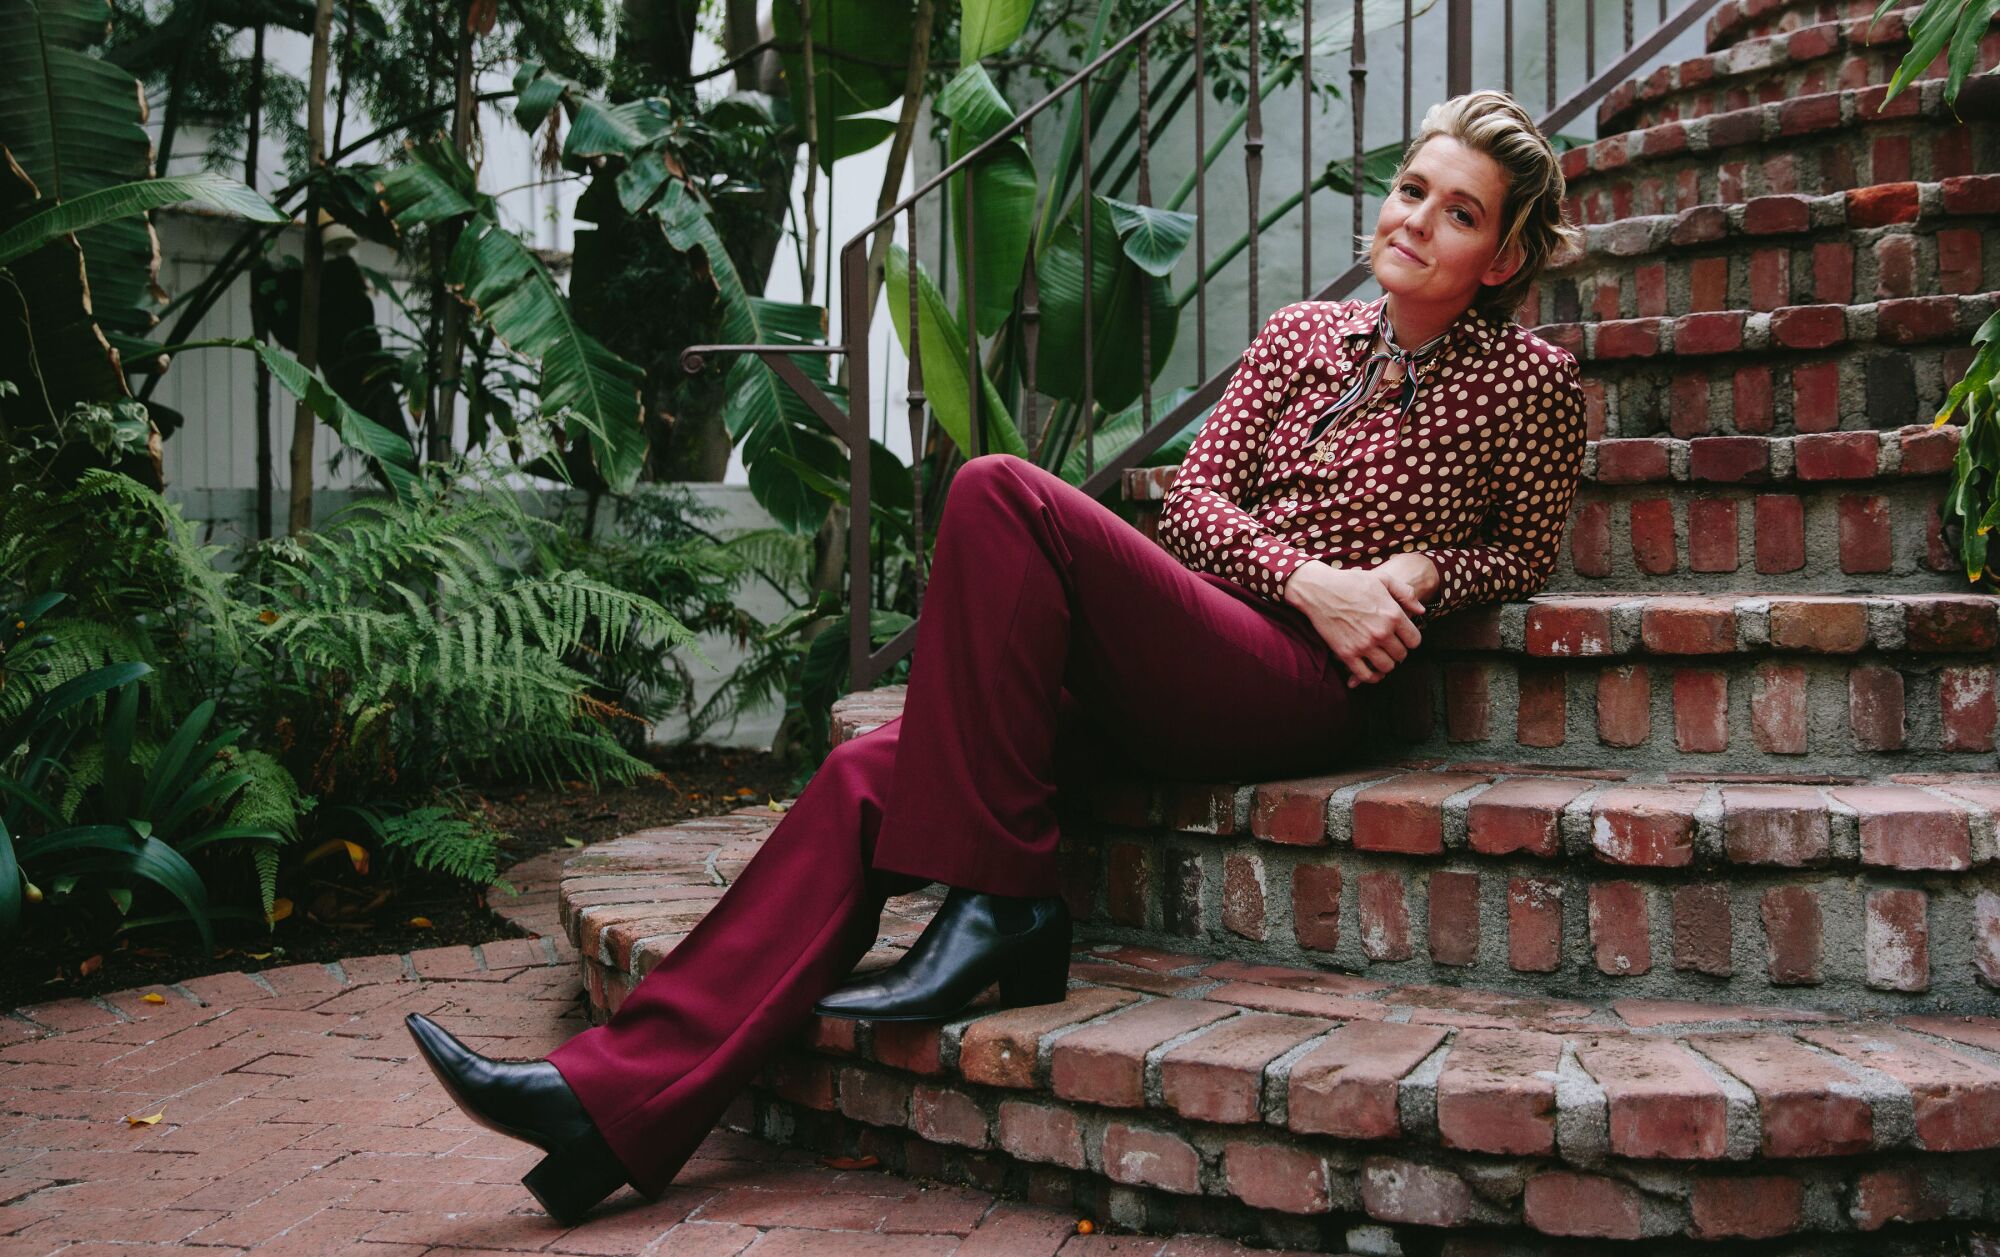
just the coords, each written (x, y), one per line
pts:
(527, 1100)
(974, 941)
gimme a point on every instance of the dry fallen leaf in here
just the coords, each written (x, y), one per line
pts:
(144, 1121)
(90, 966)
(850, 1163)
(258, 955)
(356, 853)
(422, 923)
(153, 997)
(776, 806)
(280, 909)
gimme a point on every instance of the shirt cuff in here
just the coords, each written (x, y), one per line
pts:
(1462, 574)
(1272, 563)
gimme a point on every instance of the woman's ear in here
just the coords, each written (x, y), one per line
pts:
(1505, 263)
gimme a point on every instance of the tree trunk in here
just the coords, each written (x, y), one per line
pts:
(304, 426)
(450, 343)
(254, 129)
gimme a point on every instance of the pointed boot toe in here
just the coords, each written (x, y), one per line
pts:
(527, 1100)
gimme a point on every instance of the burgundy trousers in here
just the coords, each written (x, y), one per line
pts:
(1056, 643)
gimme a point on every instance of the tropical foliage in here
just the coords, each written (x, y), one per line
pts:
(1971, 508)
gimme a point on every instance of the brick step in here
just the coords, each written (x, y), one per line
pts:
(1798, 369)
(1786, 514)
(1736, 21)
(1812, 144)
(1805, 61)
(1884, 242)
(1290, 1097)
(1755, 683)
(1585, 882)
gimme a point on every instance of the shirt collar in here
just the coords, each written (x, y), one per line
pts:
(1470, 328)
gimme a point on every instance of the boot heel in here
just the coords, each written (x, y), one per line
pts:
(1040, 975)
(572, 1180)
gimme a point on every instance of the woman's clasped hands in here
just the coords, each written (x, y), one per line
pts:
(1365, 614)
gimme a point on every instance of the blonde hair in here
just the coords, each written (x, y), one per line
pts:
(1492, 123)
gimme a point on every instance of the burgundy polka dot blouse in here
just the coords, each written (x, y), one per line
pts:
(1480, 479)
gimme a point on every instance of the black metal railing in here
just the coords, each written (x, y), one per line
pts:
(867, 663)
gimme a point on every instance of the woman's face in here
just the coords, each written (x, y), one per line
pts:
(1438, 233)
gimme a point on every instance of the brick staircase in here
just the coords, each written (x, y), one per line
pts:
(1668, 917)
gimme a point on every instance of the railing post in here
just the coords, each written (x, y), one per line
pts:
(1458, 47)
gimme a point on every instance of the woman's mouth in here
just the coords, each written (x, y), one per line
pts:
(1406, 253)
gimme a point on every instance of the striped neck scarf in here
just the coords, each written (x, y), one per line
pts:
(1371, 374)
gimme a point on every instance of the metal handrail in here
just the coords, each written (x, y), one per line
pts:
(851, 425)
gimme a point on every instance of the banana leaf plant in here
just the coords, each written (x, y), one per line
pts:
(588, 393)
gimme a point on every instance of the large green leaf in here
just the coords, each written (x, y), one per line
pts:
(584, 385)
(987, 26)
(1153, 238)
(73, 124)
(1003, 194)
(126, 199)
(583, 382)
(390, 452)
(10, 884)
(762, 413)
(874, 35)
(1119, 289)
(942, 354)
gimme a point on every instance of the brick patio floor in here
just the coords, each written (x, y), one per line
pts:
(297, 1118)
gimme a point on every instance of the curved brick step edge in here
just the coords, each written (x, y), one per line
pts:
(1736, 20)
(1775, 251)
(1798, 62)
(1831, 141)
(1293, 1067)
(1717, 333)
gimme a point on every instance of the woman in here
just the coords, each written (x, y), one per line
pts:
(1371, 464)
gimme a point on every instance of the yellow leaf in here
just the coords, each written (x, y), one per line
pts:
(422, 923)
(573, 842)
(259, 955)
(776, 806)
(356, 853)
(144, 1121)
(152, 997)
(280, 909)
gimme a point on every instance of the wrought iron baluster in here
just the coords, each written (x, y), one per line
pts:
(919, 429)
(1549, 53)
(975, 425)
(1357, 96)
(1253, 152)
(1306, 156)
(1628, 25)
(1508, 80)
(1031, 310)
(1145, 297)
(1089, 413)
(1589, 39)
(1407, 92)
(1200, 192)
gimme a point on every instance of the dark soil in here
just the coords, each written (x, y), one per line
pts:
(342, 913)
